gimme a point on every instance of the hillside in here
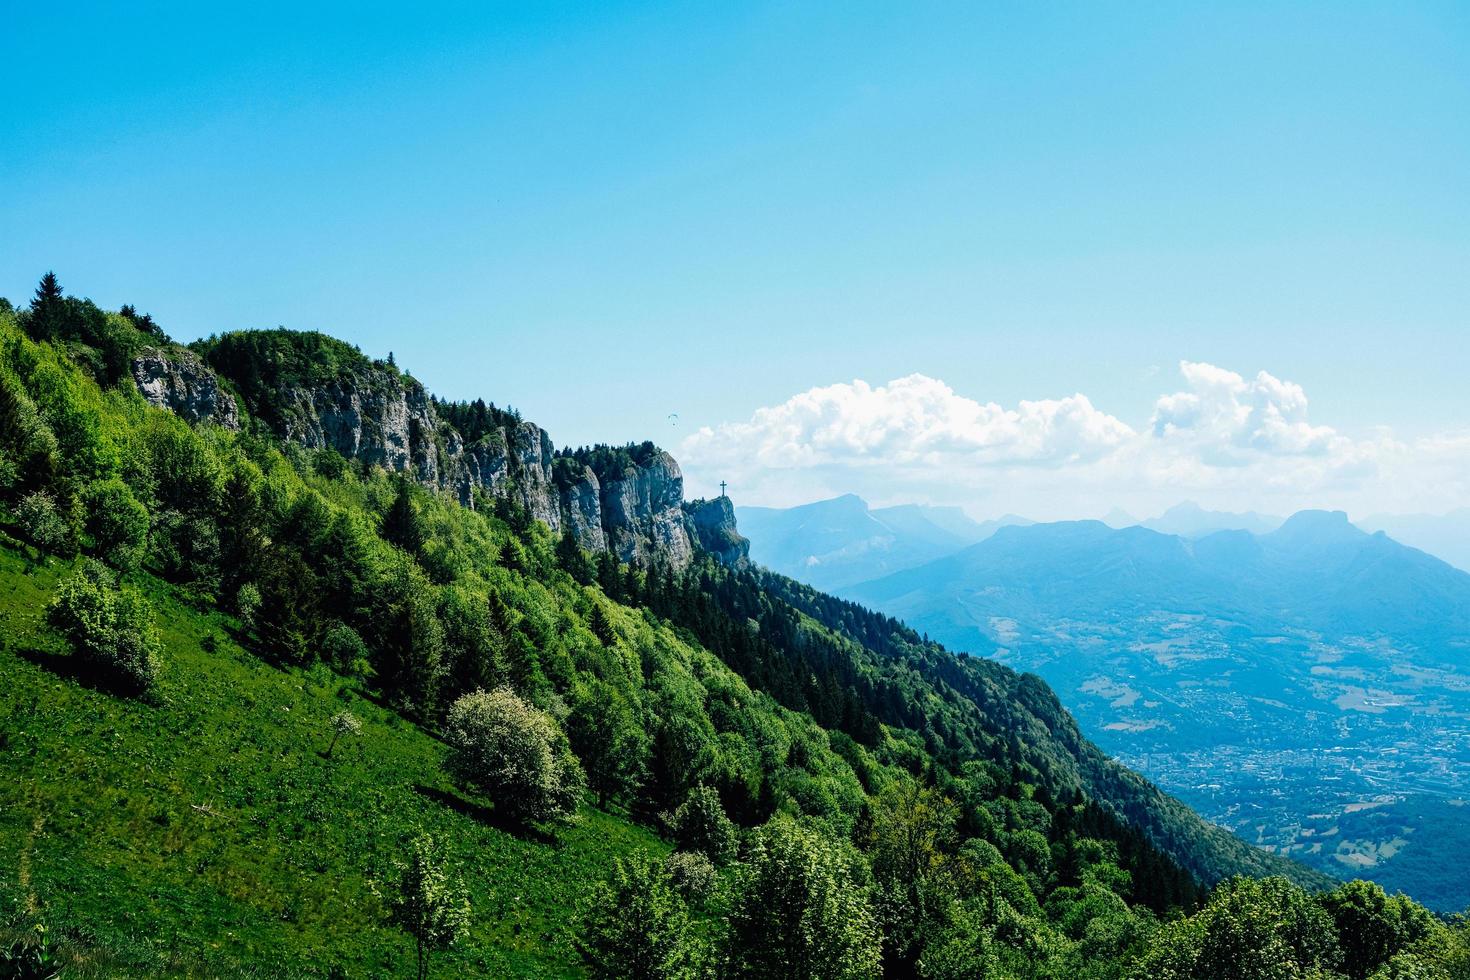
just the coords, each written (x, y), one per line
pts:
(1279, 682)
(208, 835)
(219, 584)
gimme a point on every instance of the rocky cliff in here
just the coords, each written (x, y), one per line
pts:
(712, 526)
(323, 394)
(178, 380)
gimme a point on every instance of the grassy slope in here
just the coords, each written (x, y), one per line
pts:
(208, 835)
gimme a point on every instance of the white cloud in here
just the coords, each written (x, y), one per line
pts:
(1230, 418)
(1221, 438)
(912, 420)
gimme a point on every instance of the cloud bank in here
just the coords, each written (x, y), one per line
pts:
(1222, 438)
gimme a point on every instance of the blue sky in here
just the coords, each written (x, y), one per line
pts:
(606, 213)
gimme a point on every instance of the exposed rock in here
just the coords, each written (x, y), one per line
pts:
(179, 381)
(582, 506)
(712, 527)
(323, 394)
(643, 515)
(383, 422)
(484, 464)
(531, 457)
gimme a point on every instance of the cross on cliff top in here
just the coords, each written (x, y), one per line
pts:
(722, 488)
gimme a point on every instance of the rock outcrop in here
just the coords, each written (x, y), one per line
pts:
(712, 527)
(582, 505)
(179, 381)
(384, 422)
(642, 513)
(323, 394)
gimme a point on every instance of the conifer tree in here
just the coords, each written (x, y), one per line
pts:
(47, 308)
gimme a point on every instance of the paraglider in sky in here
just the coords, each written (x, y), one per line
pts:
(673, 418)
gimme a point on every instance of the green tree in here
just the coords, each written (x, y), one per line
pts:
(635, 925)
(913, 836)
(572, 559)
(47, 309)
(402, 524)
(43, 522)
(1266, 929)
(700, 824)
(514, 753)
(802, 910)
(406, 635)
(471, 642)
(117, 523)
(28, 447)
(601, 626)
(1373, 926)
(608, 736)
(960, 948)
(109, 628)
(429, 901)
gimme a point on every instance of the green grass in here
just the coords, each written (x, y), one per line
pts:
(206, 834)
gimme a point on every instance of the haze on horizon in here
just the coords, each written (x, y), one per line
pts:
(1043, 260)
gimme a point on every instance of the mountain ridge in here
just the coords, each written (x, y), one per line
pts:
(1174, 652)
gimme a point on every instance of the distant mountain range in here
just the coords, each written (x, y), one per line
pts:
(1446, 536)
(1190, 520)
(1303, 682)
(842, 541)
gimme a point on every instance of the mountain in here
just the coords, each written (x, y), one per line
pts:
(1190, 520)
(837, 542)
(1119, 518)
(1445, 536)
(559, 671)
(1279, 682)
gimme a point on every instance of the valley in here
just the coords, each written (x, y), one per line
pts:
(1304, 686)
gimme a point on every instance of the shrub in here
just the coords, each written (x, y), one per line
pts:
(42, 521)
(635, 926)
(700, 825)
(247, 604)
(117, 523)
(343, 723)
(692, 875)
(507, 749)
(430, 902)
(803, 910)
(108, 627)
(342, 648)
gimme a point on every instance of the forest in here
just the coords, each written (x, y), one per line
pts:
(737, 776)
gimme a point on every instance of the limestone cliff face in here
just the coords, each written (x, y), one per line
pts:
(179, 381)
(323, 394)
(642, 511)
(712, 527)
(582, 505)
(383, 422)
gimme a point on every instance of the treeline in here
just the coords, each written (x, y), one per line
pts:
(610, 462)
(477, 419)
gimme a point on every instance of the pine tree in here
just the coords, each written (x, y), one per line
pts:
(403, 525)
(47, 308)
(601, 627)
(571, 557)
